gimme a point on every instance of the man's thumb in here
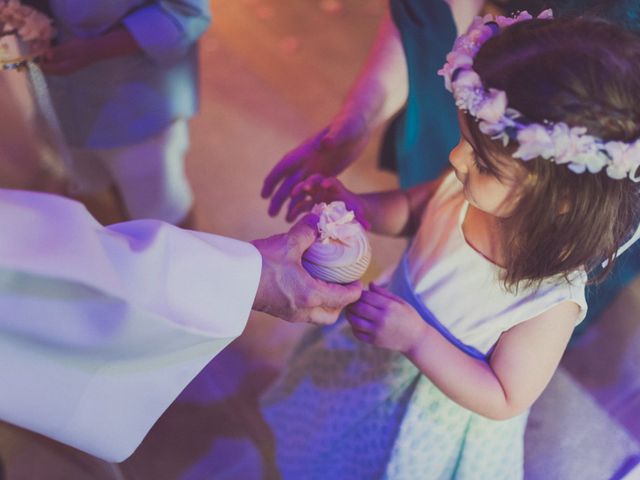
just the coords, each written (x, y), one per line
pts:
(305, 231)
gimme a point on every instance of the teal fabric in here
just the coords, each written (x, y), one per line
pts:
(420, 138)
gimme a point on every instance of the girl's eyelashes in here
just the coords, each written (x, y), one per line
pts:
(482, 169)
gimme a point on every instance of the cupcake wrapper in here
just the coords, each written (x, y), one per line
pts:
(346, 274)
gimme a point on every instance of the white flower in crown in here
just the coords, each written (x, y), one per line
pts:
(558, 142)
(497, 130)
(493, 106)
(534, 141)
(625, 159)
(574, 147)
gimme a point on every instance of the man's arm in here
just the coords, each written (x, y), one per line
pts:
(101, 328)
(165, 30)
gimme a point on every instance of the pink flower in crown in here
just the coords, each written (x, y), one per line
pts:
(504, 22)
(467, 80)
(478, 22)
(468, 91)
(534, 141)
(479, 35)
(493, 106)
(455, 60)
(524, 15)
(625, 159)
(546, 14)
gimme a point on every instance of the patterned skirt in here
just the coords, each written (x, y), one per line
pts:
(346, 410)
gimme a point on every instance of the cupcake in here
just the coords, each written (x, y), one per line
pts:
(342, 252)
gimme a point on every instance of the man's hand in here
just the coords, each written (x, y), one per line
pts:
(79, 53)
(70, 57)
(286, 289)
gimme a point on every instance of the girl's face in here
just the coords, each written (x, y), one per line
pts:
(482, 188)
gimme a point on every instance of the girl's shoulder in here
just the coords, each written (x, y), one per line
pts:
(449, 186)
(553, 291)
(447, 190)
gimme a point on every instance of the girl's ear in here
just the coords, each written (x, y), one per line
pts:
(564, 206)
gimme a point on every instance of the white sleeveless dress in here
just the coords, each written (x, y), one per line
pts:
(346, 410)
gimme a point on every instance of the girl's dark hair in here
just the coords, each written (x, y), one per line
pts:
(584, 73)
(625, 13)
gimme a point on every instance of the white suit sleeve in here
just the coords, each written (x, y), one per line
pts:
(101, 328)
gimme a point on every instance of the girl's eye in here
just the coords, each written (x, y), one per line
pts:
(482, 169)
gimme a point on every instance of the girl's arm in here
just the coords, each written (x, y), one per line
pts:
(517, 372)
(397, 213)
(391, 213)
(165, 30)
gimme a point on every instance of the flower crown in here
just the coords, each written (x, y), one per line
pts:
(557, 142)
(30, 26)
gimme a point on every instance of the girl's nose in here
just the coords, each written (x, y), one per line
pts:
(457, 157)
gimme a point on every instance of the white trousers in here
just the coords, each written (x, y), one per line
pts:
(150, 176)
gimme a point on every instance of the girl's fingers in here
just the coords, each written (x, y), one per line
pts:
(300, 208)
(374, 299)
(295, 199)
(329, 183)
(385, 293)
(362, 336)
(364, 310)
(298, 196)
(358, 323)
(311, 184)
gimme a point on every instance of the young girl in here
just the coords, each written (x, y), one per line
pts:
(432, 376)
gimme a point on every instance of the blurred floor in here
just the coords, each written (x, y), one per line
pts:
(273, 73)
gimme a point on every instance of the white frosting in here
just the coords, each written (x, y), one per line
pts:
(342, 253)
(337, 223)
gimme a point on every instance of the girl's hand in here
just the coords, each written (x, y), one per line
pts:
(318, 189)
(329, 153)
(385, 320)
